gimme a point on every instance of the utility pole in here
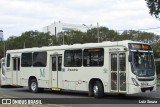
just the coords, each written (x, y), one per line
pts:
(63, 37)
(4, 48)
(55, 31)
(4, 44)
(98, 31)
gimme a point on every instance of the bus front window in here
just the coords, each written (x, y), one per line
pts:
(143, 64)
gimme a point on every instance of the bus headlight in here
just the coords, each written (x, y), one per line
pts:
(135, 82)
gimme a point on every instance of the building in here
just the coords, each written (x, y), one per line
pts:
(57, 27)
(1, 35)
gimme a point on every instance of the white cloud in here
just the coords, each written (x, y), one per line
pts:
(18, 16)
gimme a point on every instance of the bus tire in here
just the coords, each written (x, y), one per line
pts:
(98, 89)
(33, 86)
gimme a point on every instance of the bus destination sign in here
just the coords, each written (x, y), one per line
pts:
(139, 46)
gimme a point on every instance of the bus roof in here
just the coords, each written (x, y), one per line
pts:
(75, 46)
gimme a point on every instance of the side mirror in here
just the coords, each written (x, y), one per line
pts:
(130, 57)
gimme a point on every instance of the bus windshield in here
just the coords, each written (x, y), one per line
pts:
(143, 64)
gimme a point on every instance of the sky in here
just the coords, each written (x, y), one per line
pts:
(18, 16)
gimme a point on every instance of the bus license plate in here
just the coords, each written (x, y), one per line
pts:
(144, 84)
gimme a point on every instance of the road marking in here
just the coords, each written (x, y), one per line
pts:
(55, 105)
(8, 96)
(157, 97)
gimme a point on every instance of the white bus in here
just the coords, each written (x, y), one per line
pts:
(122, 67)
(2, 72)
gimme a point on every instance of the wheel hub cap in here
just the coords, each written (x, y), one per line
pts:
(33, 86)
(95, 90)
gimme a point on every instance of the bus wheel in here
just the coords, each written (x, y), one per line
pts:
(33, 86)
(98, 90)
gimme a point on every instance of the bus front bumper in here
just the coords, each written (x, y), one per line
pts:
(138, 89)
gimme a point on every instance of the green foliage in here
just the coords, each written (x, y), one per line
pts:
(158, 67)
(31, 39)
(154, 7)
(1, 49)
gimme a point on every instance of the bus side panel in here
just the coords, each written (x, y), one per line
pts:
(8, 76)
(43, 77)
(40, 73)
(78, 78)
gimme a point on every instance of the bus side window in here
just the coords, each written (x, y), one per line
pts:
(59, 63)
(16, 64)
(26, 59)
(8, 60)
(39, 59)
(122, 59)
(113, 62)
(53, 63)
(93, 57)
(73, 58)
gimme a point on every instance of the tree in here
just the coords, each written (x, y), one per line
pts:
(107, 35)
(127, 35)
(70, 37)
(1, 49)
(154, 7)
(91, 36)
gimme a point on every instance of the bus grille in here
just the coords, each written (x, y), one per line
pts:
(144, 89)
(145, 79)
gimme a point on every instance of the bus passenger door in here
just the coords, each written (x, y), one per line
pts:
(118, 72)
(15, 70)
(56, 71)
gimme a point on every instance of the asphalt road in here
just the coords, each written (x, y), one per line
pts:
(112, 100)
(14, 92)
